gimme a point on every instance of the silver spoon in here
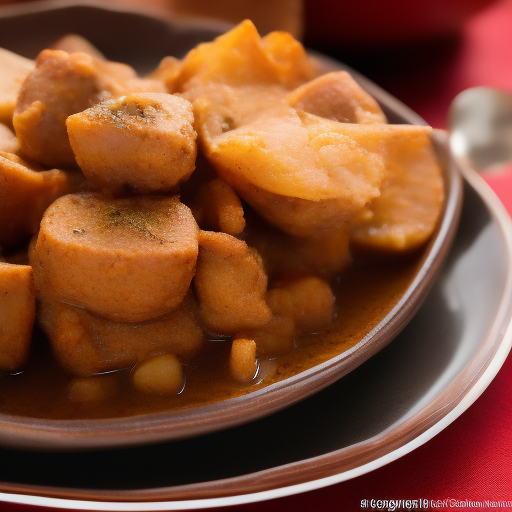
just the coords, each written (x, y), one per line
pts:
(480, 125)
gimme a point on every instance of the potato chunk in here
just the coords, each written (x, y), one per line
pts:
(167, 72)
(230, 284)
(140, 141)
(217, 207)
(8, 141)
(28, 190)
(297, 180)
(14, 68)
(86, 344)
(240, 74)
(405, 215)
(17, 314)
(337, 96)
(128, 259)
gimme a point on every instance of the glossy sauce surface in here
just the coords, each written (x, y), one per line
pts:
(365, 293)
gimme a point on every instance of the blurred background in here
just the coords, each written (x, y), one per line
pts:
(424, 52)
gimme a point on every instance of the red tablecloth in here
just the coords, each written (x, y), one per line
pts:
(472, 458)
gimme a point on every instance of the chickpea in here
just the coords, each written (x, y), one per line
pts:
(97, 388)
(161, 374)
(243, 364)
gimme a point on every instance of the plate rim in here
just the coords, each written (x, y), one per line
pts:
(502, 322)
(488, 196)
(42, 434)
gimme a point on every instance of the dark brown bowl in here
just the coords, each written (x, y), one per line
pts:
(142, 41)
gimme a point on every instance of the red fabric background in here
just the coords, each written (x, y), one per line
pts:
(472, 458)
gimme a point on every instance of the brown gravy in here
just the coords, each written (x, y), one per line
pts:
(365, 293)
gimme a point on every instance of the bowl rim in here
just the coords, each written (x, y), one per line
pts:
(43, 434)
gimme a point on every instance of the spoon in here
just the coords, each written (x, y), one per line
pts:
(480, 125)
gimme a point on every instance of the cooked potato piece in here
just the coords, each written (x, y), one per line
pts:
(167, 72)
(298, 180)
(86, 344)
(294, 67)
(25, 189)
(308, 300)
(17, 314)
(97, 388)
(236, 58)
(337, 96)
(239, 74)
(243, 364)
(73, 43)
(8, 141)
(128, 259)
(406, 213)
(141, 141)
(161, 375)
(14, 68)
(230, 284)
(217, 207)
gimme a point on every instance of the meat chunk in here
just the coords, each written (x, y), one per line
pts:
(74, 43)
(63, 84)
(86, 344)
(145, 142)
(217, 207)
(127, 260)
(337, 96)
(230, 284)
(308, 300)
(17, 314)
(325, 253)
(14, 68)
(25, 188)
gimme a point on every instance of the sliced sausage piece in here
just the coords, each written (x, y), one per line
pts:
(141, 141)
(60, 85)
(230, 283)
(14, 68)
(86, 344)
(17, 314)
(127, 260)
(25, 193)
(63, 84)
